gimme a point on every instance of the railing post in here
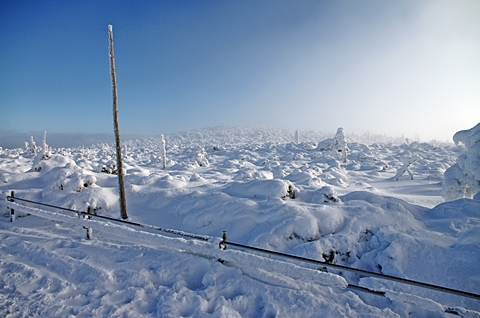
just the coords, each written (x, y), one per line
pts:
(89, 229)
(12, 211)
(222, 244)
(89, 233)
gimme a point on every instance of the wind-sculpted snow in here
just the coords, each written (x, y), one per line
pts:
(268, 188)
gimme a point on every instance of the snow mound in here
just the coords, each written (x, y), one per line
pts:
(262, 189)
(44, 165)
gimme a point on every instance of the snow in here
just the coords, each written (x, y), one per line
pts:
(463, 178)
(269, 188)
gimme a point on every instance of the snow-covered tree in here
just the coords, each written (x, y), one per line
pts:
(202, 160)
(340, 144)
(462, 180)
(297, 138)
(164, 152)
(46, 151)
(45, 146)
(34, 145)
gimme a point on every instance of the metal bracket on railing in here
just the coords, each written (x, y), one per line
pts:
(222, 244)
(89, 229)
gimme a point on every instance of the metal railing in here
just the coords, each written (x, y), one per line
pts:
(224, 243)
(90, 215)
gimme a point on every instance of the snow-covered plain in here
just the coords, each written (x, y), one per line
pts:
(267, 190)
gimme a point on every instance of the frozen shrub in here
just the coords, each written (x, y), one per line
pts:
(462, 180)
(265, 188)
(40, 164)
(329, 194)
(80, 182)
(325, 195)
(202, 160)
(110, 167)
(61, 180)
(326, 144)
(76, 182)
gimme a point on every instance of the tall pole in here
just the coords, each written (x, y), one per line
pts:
(123, 201)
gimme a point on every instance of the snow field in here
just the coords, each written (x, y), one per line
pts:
(266, 191)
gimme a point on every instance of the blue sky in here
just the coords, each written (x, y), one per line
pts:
(387, 67)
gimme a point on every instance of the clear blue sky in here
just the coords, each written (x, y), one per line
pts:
(388, 67)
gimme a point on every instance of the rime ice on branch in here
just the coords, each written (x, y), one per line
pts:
(405, 168)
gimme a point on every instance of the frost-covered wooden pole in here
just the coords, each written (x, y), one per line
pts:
(123, 201)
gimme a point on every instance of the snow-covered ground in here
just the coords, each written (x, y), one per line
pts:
(267, 191)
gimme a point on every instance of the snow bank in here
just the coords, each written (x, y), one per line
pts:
(209, 250)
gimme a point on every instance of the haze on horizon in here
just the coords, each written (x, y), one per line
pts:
(397, 68)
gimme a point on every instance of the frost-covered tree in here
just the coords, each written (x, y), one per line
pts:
(297, 138)
(34, 145)
(462, 180)
(340, 144)
(164, 152)
(46, 151)
(45, 146)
